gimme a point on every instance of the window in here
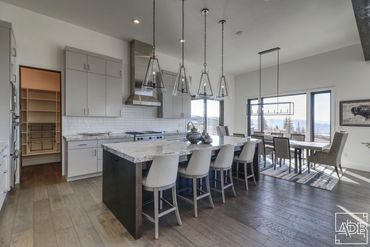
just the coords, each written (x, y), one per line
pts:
(213, 116)
(319, 111)
(287, 124)
(206, 114)
(253, 120)
(320, 115)
(197, 114)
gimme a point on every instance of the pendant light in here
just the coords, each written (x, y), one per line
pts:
(153, 76)
(274, 108)
(182, 82)
(223, 89)
(205, 87)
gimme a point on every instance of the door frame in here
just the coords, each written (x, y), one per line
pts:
(60, 113)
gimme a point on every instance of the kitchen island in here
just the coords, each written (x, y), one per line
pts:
(123, 165)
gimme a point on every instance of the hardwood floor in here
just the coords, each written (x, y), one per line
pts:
(47, 211)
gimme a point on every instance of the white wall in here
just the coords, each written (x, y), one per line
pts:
(344, 70)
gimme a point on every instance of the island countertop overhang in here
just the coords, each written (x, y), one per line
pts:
(143, 151)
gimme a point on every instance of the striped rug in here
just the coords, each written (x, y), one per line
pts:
(323, 177)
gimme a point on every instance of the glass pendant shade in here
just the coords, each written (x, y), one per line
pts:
(153, 76)
(182, 84)
(205, 87)
(223, 90)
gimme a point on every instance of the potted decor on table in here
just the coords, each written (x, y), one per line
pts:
(193, 136)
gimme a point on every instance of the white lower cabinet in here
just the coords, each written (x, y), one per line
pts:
(85, 158)
(82, 158)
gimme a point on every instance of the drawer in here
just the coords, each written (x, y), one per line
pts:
(82, 144)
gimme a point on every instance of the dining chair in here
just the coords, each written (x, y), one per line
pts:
(223, 165)
(278, 134)
(298, 137)
(162, 176)
(264, 149)
(246, 158)
(197, 169)
(333, 156)
(282, 151)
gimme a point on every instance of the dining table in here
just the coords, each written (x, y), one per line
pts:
(299, 146)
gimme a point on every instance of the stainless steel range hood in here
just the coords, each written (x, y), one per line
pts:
(139, 57)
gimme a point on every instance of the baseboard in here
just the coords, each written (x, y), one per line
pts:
(70, 179)
(357, 166)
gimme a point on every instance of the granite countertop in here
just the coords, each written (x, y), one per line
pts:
(143, 151)
(3, 145)
(105, 136)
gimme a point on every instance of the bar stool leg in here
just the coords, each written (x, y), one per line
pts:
(254, 177)
(160, 199)
(156, 214)
(222, 186)
(174, 200)
(237, 169)
(209, 191)
(245, 176)
(231, 181)
(215, 181)
(195, 197)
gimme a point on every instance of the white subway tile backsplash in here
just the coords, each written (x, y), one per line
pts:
(132, 118)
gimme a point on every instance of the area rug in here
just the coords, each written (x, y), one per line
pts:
(323, 177)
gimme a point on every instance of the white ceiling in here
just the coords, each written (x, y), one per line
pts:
(300, 27)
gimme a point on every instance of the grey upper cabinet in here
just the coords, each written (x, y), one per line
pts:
(76, 93)
(113, 96)
(96, 65)
(96, 95)
(76, 61)
(114, 69)
(173, 106)
(93, 84)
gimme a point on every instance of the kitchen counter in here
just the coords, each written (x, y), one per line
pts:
(123, 165)
(106, 136)
(144, 151)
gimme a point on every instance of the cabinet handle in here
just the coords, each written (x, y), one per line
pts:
(95, 153)
(88, 67)
(4, 192)
(82, 144)
(84, 66)
(4, 172)
(120, 73)
(88, 111)
(84, 111)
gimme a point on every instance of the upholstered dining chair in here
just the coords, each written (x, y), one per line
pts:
(264, 149)
(333, 156)
(282, 151)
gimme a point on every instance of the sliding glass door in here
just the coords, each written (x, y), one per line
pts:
(321, 116)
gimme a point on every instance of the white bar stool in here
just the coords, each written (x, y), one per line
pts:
(198, 168)
(246, 158)
(223, 164)
(162, 176)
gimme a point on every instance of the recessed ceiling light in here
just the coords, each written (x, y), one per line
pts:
(135, 21)
(181, 40)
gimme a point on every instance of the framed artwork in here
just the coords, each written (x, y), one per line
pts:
(354, 113)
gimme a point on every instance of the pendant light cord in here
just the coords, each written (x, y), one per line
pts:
(205, 38)
(260, 80)
(277, 73)
(183, 33)
(222, 48)
(153, 28)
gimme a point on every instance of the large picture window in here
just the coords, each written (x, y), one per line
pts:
(206, 114)
(319, 113)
